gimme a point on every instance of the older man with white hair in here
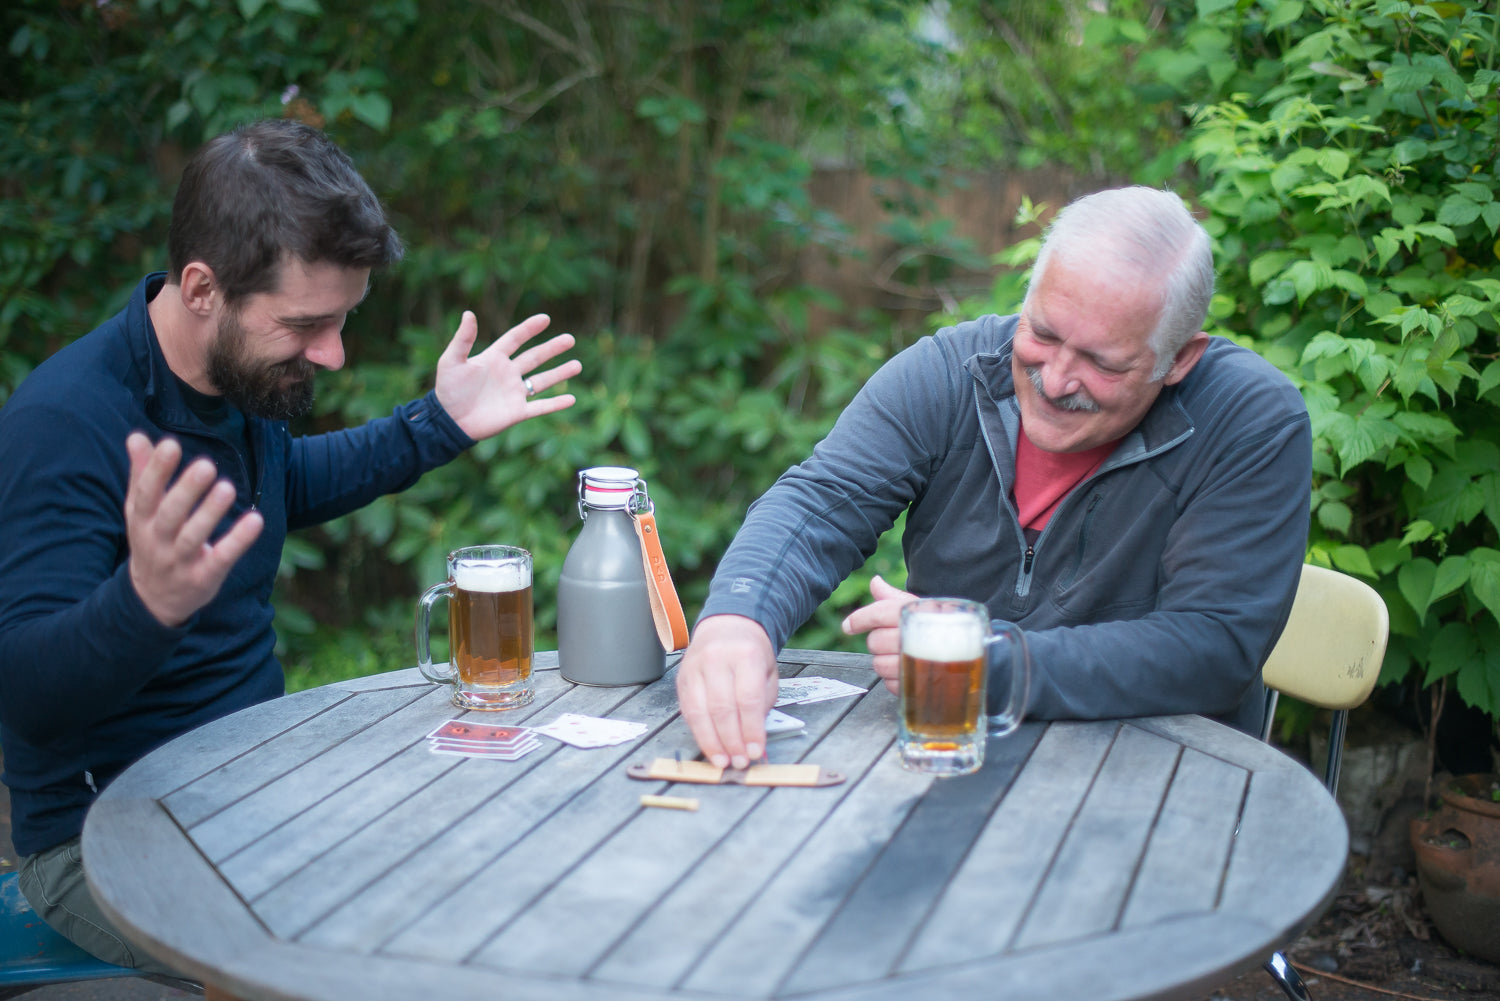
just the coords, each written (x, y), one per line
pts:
(1130, 491)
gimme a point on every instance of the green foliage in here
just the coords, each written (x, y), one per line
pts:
(1349, 162)
(98, 103)
(1008, 292)
(1077, 86)
(1347, 152)
(639, 172)
(630, 173)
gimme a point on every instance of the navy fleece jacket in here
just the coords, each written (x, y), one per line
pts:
(89, 681)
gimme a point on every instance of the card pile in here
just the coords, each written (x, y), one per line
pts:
(482, 740)
(801, 691)
(591, 731)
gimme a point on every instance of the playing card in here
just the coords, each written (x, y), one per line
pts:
(779, 724)
(792, 690)
(591, 731)
(803, 690)
(480, 745)
(469, 751)
(480, 734)
(831, 688)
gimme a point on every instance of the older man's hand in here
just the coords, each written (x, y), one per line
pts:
(881, 622)
(726, 684)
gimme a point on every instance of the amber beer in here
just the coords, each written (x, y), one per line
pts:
(943, 671)
(489, 625)
(939, 697)
(489, 628)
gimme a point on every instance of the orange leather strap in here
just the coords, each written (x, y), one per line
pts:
(666, 609)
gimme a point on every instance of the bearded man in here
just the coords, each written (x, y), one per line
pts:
(134, 598)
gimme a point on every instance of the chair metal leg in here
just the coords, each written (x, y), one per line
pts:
(1270, 717)
(1335, 750)
(177, 983)
(1287, 978)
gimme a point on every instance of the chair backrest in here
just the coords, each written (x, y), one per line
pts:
(1328, 655)
(1330, 652)
(32, 954)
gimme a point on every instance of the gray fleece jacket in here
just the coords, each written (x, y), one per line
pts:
(1159, 585)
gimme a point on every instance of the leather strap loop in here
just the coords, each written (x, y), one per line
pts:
(666, 609)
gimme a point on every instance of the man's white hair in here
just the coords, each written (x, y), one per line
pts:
(1139, 234)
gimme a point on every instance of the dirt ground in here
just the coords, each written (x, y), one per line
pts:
(1374, 943)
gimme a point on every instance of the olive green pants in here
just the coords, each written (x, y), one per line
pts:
(52, 882)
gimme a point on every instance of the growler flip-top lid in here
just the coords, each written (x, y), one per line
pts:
(609, 487)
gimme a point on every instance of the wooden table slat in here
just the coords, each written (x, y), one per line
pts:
(272, 855)
(401, 678)
(1218, 741)
(761, 946)
(871, 932)
(458, 892)
(506, 833)
(815, 662)
(1183, 871)
(613, 890)
(696, 911)
(1086, 889)
(350, 874)
(1303, 881)
(234, 780)
(303, 786)
(215, 744)
(1171, 961)
(199, 923)
(1014, 852)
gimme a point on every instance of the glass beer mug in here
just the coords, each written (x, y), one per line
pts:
(489, 628)
(948, 651)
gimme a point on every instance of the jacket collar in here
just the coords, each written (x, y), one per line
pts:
(163, 399)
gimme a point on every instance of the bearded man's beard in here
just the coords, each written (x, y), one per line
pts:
(278, 391)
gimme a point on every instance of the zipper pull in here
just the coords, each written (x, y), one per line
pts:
(1030, 553)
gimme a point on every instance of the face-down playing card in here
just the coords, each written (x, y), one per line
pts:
(482, 740)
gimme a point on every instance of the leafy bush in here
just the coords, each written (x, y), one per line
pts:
(1349, 166)
(640, 172)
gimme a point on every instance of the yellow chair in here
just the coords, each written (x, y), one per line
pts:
(1329, 656)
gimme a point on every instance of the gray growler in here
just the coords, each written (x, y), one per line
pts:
(605, 633)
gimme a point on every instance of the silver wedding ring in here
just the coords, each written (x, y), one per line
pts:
(530, 389)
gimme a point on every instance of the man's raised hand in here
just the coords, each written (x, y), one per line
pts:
(491, 390)
(174, 566)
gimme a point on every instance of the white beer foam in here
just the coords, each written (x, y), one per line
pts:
(491, 578)
(941, 636)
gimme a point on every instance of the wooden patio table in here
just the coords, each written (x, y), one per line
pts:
(314, 847)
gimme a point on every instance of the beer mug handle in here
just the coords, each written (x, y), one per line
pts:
(431, 672)
(1007, 642)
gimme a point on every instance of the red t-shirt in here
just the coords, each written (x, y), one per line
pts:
(1043, 479)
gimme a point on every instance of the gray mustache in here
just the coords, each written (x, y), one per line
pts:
(1077, 401)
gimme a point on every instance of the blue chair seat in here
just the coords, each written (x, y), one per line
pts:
(33, 955)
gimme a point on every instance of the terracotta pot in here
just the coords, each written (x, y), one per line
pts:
(1458, 864)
